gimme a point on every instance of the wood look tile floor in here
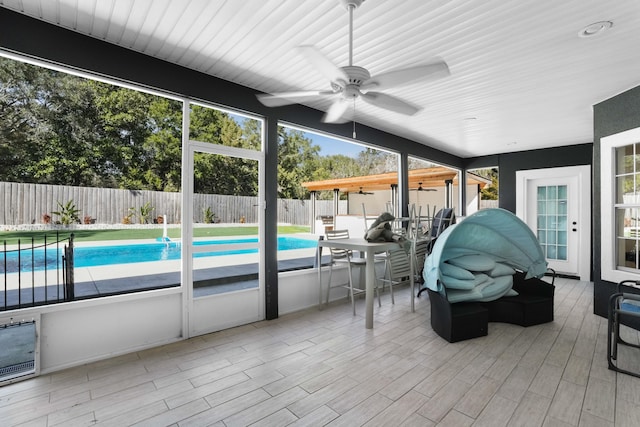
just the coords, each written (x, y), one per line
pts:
(322, 367)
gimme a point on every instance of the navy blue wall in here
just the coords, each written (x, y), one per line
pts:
(617, 114)
(509, 163)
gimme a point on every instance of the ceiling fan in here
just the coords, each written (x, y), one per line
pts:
(351, 82)
(364, 192)
(420, 188)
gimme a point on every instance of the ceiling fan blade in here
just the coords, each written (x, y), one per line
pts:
(286, 98)
(389, 102)
(336, 112)
(407, 75)
(323, 65)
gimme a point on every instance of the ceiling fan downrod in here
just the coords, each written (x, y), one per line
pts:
(351, 5)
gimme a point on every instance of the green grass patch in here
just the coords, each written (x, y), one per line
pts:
(12, 237)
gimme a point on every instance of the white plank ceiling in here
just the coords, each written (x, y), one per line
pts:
(521, 77)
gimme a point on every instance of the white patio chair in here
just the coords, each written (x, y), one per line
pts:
(344, 256)
(399, 269)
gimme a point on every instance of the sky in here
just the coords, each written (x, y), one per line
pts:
(330, 146)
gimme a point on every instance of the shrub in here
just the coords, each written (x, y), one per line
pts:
(209, 216)
(143, 213)
(68, 213)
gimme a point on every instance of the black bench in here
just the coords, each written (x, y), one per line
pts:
(465, 320)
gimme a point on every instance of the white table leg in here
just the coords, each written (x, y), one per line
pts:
(319, 265)
(370, 281)
(412, 280)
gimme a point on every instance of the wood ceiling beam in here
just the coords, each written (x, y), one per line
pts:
(428, 177)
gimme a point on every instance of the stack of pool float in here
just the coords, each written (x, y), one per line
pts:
(476, 278)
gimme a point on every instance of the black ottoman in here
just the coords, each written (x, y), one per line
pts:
(457, 322)
(533, 305)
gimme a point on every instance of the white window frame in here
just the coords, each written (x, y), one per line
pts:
(608, 145)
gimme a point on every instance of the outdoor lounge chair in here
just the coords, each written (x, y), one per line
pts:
(465, 320)
(624, 309)
(489, 266)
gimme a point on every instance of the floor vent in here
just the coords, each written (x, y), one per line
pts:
(16, 369)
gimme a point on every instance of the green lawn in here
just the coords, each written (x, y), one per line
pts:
(11, 237)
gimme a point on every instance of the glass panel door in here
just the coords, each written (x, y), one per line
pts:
(553, 228)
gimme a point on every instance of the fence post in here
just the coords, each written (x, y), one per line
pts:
(69, 282)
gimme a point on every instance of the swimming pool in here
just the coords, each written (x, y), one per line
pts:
(91, 256)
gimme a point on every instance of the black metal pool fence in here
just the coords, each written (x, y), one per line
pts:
(37, 274)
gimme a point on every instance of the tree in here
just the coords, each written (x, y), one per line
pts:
(217, 174)
(57, 128)
(22, 128)
(489, 192)
(297, 159)
(61, 129)
(164, 145)
(67, 119)
(373, 161)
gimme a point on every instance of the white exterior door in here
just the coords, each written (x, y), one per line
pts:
(554, 203)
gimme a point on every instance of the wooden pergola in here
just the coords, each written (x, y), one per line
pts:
(427, 178)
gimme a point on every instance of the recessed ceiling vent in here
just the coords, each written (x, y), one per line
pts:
(595, 29)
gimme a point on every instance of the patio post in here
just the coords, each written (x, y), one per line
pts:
(312, 200)
(448, 187)
(336, 200)
(394, 200)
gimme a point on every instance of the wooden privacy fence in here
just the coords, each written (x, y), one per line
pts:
(486, 204)
(27, 203)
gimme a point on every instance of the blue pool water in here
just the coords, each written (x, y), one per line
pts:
(90, 256)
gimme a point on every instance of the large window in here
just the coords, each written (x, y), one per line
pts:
(325, 181)
(627, 205)
(102, 161)
(433, 187)
(94, 159)
(482, 189)
(620, 192)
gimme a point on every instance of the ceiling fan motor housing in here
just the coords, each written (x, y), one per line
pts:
(357, 75)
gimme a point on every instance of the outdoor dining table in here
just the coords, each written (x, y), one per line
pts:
(369, 249)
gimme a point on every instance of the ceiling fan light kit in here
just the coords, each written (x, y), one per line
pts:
(352, 82)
